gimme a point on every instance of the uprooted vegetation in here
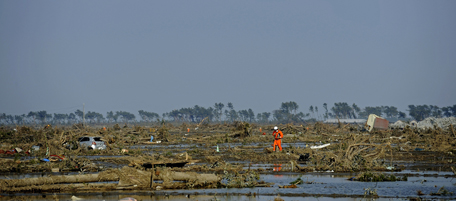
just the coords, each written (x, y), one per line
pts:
(208, 155)
(378, 177)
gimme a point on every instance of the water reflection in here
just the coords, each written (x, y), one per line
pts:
(277, 167)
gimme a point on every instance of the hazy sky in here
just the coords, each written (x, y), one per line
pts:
(163, 55)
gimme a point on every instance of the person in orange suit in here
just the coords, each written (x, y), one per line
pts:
(278, 135)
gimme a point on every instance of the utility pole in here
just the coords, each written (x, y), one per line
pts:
(83, 114)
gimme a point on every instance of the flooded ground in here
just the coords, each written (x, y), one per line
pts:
(224, 162)
(318, 185)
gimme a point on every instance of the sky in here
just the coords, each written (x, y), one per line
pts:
(112, 55)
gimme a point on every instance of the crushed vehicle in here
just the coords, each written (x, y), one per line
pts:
(89, 143)
(92, 143)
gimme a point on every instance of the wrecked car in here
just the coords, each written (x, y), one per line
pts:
(92, 143)
(89, 143)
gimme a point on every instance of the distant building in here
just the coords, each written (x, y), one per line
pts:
(377, 122)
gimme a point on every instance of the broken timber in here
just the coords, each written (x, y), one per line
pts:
(128, 178)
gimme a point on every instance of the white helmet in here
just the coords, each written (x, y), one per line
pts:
(276, 128)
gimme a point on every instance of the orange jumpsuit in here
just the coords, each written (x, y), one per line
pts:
(278, 135)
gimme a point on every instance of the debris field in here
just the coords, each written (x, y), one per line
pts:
(211, 156)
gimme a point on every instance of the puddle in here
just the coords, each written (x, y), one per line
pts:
(328, 184)
(100, 156)
(161, 146)
(104, 165)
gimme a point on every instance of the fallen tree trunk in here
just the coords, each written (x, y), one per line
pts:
(62, 187)
(129, 178)
(54, 180)
(168, 176)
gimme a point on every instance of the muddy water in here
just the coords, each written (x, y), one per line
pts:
(320, 185)
(225, 145)
(422, 177)
(146, 196)
(330, 184)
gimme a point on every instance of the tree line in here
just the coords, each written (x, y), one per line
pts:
(288, 112)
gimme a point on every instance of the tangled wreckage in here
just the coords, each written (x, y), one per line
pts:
(212, 156)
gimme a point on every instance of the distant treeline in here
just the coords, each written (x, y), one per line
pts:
(287, 113)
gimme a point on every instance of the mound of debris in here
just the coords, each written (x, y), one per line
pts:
(429, 122)
(443, 123)
(399, 124)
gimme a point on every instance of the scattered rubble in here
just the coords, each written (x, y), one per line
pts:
(428, 123)
(377, 177)
(212, 156)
